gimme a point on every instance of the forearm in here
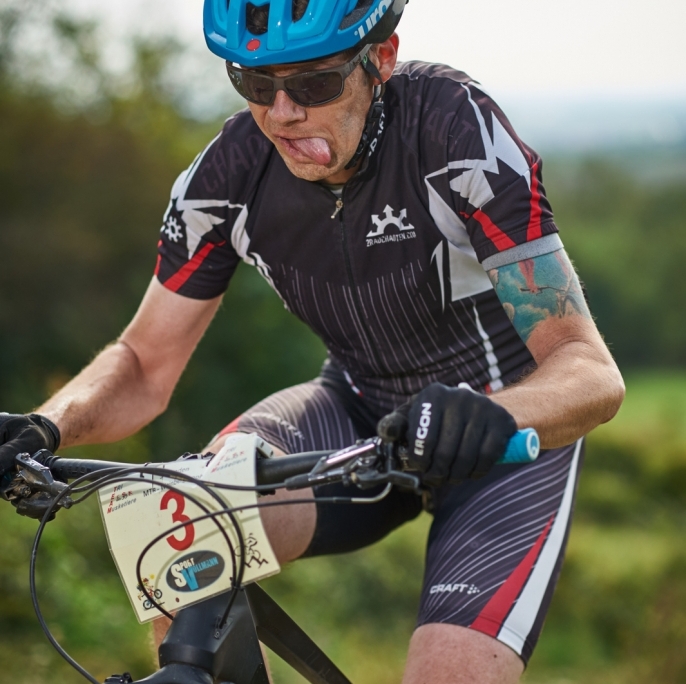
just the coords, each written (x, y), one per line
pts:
(108, 400)
(577, 384)
(573, 391)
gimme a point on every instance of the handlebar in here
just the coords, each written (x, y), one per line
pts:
(39, 479)
(269, 471)
(523, 447)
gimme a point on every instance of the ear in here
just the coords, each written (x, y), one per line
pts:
(385, 56)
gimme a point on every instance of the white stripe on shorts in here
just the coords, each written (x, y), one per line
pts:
(520, 621)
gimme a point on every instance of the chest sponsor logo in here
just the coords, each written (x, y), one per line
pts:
(195, 571)
(399, 229)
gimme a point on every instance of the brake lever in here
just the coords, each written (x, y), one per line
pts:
(392, 455)
(406, 481)
(315, 479)
(359, 465)
(369, 447)
(30, 481)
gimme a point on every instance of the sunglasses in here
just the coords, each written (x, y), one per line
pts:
(308, 89)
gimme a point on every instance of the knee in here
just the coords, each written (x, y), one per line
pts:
(448, 654)
(290, 528)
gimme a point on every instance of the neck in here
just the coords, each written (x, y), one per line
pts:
(343, 176)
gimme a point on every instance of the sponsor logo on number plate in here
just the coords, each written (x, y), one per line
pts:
(195, 571)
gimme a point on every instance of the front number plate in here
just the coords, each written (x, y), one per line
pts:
(194, 562)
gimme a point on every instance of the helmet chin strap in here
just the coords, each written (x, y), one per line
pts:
(374, 114)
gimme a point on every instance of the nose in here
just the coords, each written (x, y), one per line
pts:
(283, 110)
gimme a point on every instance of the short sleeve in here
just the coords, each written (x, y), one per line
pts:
(196, 257)
(493, 183)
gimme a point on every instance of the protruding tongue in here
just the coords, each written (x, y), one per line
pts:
(316, 149)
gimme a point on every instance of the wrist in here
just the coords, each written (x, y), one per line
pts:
(51, 430)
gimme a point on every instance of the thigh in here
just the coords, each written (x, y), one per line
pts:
(495, 552)
(311, 417)
(306, 417)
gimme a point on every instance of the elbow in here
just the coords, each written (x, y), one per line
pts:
(152, 380)
(615, 393)
(160, 398)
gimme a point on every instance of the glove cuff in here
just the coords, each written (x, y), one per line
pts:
(52, 431)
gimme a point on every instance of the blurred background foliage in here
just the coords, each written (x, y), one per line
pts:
(86, 166)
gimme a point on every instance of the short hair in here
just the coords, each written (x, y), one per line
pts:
(257, 18)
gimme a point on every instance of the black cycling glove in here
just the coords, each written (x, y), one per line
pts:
(19, 434)
(452, 433)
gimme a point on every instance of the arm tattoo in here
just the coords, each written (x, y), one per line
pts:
(536, 289)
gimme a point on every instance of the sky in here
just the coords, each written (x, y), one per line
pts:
(620, 61)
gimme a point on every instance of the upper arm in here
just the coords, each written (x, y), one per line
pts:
(165, 331)
(543, 298)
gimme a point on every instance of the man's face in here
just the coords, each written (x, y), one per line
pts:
(317, 142)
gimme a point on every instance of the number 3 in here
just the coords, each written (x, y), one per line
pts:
(178, 517)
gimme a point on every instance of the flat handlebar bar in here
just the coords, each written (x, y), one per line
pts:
(523, 447)
(269, 471)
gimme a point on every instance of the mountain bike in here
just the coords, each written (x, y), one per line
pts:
(216, 641)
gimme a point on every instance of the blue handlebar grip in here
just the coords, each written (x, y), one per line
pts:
(523, 447)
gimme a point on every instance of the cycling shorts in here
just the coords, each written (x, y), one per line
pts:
(496, 545)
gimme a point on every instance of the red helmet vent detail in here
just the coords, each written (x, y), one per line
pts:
(253, 44)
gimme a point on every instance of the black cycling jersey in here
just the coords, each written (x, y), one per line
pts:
(391, 275)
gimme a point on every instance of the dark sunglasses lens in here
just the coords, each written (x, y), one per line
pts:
(313, 89)
(259, 89)
(252, 87)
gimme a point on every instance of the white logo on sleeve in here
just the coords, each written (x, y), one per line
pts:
(378, 235)
(423, 429)
(173, 229)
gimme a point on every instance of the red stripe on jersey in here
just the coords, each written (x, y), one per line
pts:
(159, 260)
(534, 230)
(189, 268)
(493, 233)
(231, 427)
(491, 618)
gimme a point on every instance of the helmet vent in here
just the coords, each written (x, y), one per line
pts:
(256, 19)
(357, 14)
(299, 9)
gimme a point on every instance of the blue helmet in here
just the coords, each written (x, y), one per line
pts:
(295, 30)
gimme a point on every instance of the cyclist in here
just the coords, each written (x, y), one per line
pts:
(393, 209)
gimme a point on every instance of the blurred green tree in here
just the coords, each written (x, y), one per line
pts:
(628, 240)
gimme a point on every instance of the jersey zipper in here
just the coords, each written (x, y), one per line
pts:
(339, 206)
(353, 289)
